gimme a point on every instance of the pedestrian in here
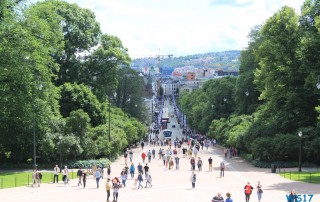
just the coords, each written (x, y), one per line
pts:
(56, 171)
(126, 169)
(102, 171)
(248, 191)
(84, 178)
(228, 199)
(148, 181)
(168, 161)
(40, 177)
(199, 164)
(225, 152)
(189, 152)
(139, 168)
(146, 169)
(143, 156)
(193, 164)
(94, 169)
(79, 174)
(164, 158)
(153, 153)
(160, 153)
(193, 180)
(222, 169)
(97, 175)
(142, 145)
(184, 150)
(207, 145)
(210, 163)
(149, 156)
(124, 179)
(259, 191)
(125, 155)
(140, 180)
(108, 188)
(292, 196)
(195, 152)
(171, 163)
(115, 187)
(35, 178)
(217, 198)
(130, 155)
(177, 159)
(132, 170)
(65, 175)
(109, 170)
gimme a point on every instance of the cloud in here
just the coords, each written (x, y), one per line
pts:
(182, 27)
(232, 3)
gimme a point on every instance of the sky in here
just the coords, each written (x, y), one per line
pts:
(182, 27)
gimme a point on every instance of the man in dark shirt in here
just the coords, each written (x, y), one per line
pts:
(146, 169)
(210, 164)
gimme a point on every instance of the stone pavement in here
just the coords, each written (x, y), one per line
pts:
(173, 185)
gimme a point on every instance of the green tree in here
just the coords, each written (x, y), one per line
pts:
(246, 94)
(74, 97)
(130, 92)
(26, 90)
(282, 87)
(101, 68)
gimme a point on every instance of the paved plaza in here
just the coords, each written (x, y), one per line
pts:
(172, 185)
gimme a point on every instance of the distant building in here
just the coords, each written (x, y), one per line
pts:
(191, 76)
(221, 72)
(189, 86)
(166, 72)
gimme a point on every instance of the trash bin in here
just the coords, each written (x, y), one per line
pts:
(273, 168)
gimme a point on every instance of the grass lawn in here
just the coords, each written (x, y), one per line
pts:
(17, 179)
(310, 177)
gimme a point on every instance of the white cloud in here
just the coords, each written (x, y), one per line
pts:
(182, 27)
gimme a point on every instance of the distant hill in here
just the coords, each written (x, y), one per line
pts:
(217, 60)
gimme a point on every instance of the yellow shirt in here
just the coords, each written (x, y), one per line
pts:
(108, 187)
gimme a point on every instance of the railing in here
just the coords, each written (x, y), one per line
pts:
(310, 177)
(25, 179)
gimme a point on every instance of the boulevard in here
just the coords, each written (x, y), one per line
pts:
(172, 185)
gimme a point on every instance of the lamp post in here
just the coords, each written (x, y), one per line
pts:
(109, 109)
(60, 138)
(318, 84)
(34, 126)
(300, 135)
(34, 131)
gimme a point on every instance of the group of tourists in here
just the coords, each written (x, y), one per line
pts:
(36, 178)
(65, 175)
(247, 192)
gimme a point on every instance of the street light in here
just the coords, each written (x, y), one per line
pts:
(318, 84)
(300, 135)
(109, 109)
(34, 126)
(60, 138)
(247, 93)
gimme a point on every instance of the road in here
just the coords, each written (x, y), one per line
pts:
(173, 185)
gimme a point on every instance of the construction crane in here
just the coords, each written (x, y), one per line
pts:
(159, 57)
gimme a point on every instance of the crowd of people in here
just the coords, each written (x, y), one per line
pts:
(169, 155)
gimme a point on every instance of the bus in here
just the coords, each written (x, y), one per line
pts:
(165, 118)
(167, 134)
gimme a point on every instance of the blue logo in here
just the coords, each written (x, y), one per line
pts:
(301, 198)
